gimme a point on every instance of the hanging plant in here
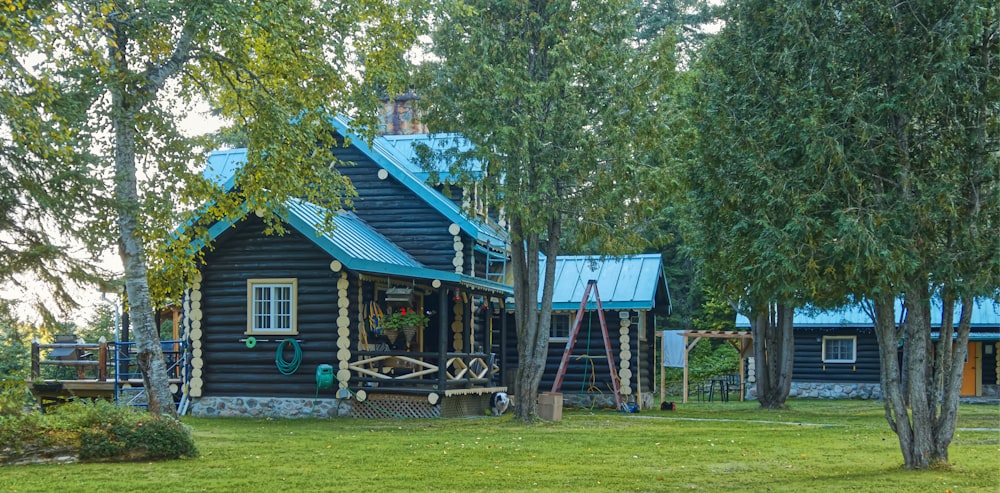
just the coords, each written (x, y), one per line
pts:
(405, 317)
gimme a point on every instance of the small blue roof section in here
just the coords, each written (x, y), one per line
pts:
(222, 165)
(625, 283)
(985, 313)
(405, 147)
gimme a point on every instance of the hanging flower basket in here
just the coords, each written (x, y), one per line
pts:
(391, 334)
(407, 320)
(410, 332)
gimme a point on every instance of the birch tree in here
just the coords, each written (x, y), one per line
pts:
(102, 85)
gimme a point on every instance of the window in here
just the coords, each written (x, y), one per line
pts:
(560, 327)
(840, 349)
(271, 306)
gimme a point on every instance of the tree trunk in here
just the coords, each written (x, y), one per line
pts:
(149, 355)
(532, 324)
(923, 415)
(953, 359)
(774, 347)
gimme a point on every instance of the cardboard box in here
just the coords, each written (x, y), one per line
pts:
(550, 406)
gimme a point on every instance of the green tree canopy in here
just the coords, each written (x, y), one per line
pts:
(558, 103)
(93, 92)
(849, 151)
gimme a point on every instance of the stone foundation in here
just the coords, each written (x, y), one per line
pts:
(827, 390)
(991, 390)
(268, 407)
(604, 401)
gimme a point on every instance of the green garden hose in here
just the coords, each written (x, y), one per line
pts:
(288, 367)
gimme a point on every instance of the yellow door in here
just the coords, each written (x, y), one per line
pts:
(969, 376)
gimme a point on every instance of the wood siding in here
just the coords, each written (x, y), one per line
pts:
(990, 364)
(400, 215)
(809, 365)
(232, 369)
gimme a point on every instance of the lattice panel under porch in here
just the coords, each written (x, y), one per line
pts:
(394, 406)
(461, 406)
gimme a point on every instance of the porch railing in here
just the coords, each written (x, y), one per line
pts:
(422, 370)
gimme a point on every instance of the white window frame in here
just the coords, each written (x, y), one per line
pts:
(282, 314)
(854, 349)
(569, 327)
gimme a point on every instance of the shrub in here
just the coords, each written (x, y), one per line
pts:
(108, 431)
(149, 438)
(162, 438)
(14, 394)
(99, 431)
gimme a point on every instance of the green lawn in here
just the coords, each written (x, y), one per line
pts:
(816, 446)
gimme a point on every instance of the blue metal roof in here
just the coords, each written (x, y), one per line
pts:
(405, 147)
(625, 283)
(222, 165)
(395, 154)
(985, 313)
(352, 241)
(361, 248)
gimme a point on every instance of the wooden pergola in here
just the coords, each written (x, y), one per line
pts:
(745, 343)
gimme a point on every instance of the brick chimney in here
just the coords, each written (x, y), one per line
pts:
(401, 116)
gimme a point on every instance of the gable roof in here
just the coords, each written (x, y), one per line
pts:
(397, 163)
(396, 155)
(624, 283)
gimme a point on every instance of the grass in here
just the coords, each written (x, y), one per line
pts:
(815, 446)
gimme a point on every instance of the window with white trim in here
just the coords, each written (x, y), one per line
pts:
(560, 327)
(840, 349)
(271, 306)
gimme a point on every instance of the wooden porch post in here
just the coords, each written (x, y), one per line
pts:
(660, 367)
(36, 370)
(102, 360)
(685, 399)
(503, 342)
(443, 334)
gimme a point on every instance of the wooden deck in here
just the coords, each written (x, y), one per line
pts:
(54, 392)
(98, 374)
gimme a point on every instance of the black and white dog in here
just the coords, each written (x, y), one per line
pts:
(499, 402)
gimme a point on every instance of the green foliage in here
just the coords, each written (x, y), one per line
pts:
(146, 438)
(15, 361)
(405, 318)
(93, 96)
(559, 105)
(824, 169)
(823, 166)
(716, 314)
(99, 430)
(14, 394)
(556, 131)
(708, 358)
(100, 324)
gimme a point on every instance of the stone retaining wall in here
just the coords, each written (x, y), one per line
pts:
(827, 390)
(268, 407)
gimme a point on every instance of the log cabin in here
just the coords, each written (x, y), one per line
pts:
(836, 353)
(304, 324)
